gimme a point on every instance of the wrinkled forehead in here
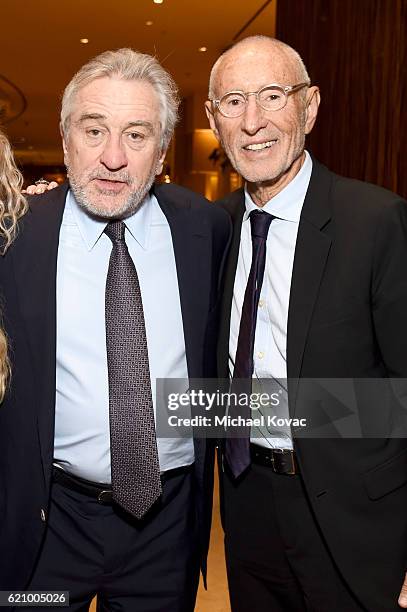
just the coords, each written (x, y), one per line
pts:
(250, 68)
(116, 96)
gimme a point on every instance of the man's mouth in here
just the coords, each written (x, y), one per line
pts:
(259, 146)
(110, 184)
(106, 180)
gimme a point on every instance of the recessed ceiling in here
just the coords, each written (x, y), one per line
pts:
(40, 49)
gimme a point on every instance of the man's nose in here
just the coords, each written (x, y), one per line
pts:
(114, 155)
(254, 117)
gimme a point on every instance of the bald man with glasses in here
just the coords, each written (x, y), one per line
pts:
(315, 289)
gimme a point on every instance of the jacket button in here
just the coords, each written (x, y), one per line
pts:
(43, 516)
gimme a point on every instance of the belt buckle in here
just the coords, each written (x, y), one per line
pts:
(283, 451)
(105, 496)
(293, 468)
(273, 467)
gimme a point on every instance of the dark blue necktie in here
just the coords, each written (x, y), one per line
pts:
(237, 446)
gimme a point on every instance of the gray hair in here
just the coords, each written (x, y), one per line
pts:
(128, 65)
(291, 53)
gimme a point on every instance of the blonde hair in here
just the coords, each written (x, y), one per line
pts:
(13, 205)
(129, 65)
(4, 365)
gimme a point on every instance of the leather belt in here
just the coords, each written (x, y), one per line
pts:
(103, 492)
(280, 460)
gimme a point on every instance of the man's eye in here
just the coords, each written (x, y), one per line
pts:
(135, 136)
(235, 101)
(94, 133)
(272, 97)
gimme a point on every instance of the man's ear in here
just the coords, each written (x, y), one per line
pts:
(211, 118)
(160, 162)
(63, 136)
(313, 100)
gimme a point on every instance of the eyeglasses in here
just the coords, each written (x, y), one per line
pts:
(270, 98)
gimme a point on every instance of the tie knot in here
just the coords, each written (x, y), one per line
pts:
(260, 223)
(115, 230)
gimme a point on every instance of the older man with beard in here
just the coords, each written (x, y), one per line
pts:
(111, 285)
(315, 288)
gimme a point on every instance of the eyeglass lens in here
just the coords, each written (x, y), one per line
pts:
(269, 98)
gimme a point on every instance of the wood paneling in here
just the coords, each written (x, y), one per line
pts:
(356, 51)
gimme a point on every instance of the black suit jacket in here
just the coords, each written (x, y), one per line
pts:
(347, 319)
(200, 234)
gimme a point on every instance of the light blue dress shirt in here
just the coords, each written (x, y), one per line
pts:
(270, 347)
(82, 435)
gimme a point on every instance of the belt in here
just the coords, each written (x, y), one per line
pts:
(103, 493)
(280, 460)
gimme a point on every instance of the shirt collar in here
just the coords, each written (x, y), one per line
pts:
(140, 222)
(288, 203)
(91, 228)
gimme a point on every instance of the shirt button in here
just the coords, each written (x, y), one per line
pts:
(43, 516)
(261, 303)
(260, 355)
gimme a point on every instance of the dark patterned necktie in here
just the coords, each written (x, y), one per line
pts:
(237, 444)
(135, 467)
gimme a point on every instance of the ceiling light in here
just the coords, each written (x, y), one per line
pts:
(202, 49)
(149, 23)
(84, 41)
(158, 1)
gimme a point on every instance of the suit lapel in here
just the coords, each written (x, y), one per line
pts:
(192, 249)
(311, 253)
(35, 259)
(234, 204)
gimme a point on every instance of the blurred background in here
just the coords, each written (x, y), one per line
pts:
(355, 52)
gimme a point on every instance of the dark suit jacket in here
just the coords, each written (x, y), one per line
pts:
(200, 234)
(348, 318)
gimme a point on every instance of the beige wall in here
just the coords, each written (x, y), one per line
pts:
(194, 143)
